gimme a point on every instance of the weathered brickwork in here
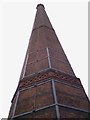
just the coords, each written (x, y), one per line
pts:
(48, 87)
(48, 74)
(34, 98)
(44, 114)
(70, 113)
(75, 98)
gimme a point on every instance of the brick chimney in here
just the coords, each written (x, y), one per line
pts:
(48, 87)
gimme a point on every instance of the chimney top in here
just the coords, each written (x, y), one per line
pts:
(40, 5)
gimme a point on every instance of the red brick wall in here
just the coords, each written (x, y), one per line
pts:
(34, 98)
(71, 96)
(70, 113)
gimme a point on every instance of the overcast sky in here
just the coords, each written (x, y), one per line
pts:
(70, 21)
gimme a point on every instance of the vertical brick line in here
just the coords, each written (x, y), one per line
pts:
(55, 99)
(34, 104)
(48, 54)
(17, 95)
(35, 97)
(24, 70)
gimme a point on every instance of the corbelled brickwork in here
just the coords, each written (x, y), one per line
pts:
(48, 87)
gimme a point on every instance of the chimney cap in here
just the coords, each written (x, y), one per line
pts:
(40, 5)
